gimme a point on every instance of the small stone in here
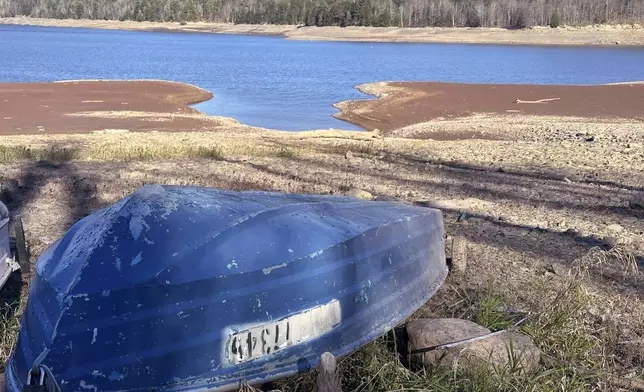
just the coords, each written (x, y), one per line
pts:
(559, 269)
(359, 194)
(348, 155)
(572, 232)
(567, 180)
(590, 139)
(615, 227)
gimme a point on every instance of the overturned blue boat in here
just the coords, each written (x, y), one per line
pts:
(186, 288)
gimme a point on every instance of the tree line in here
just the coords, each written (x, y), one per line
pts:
(405, 13)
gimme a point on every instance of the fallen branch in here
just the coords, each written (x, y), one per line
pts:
(545, 100)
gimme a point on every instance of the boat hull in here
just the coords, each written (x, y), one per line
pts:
(347, 272)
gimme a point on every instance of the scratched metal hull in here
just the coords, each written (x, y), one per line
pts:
(181, 288)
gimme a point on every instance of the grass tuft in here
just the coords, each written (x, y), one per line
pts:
(491, 315)
(285, 152)
(9, 326)
(120, 152)
(616, 261)
(10, 154)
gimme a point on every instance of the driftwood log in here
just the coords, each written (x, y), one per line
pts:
(545, 100)
(328, 375)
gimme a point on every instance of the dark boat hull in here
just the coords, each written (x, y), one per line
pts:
(346, 272)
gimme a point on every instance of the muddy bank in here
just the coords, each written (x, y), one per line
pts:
(90, 106)
(592, 35)
(446, 111)
(403, 104)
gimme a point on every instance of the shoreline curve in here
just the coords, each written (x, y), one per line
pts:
(83, 106)
(86, 106)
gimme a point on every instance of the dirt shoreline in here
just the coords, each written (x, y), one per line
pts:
(602, 35)
(401, 108)
(103, 106)
(402, 104)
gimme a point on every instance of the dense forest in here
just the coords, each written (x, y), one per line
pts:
(408, 13)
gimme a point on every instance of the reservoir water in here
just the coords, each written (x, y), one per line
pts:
(291, 85)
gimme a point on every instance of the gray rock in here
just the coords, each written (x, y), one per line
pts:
(514, 351)
(348, 155)
(359, 194)
(559, 269)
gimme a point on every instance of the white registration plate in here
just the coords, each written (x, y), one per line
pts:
(269, 338)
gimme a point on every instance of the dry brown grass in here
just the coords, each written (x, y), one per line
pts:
(508, 199)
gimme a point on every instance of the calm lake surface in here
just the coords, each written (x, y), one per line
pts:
(292, 85)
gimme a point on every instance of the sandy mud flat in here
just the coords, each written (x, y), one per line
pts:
(89, 106)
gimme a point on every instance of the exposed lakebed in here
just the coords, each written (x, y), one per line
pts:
(291, 85)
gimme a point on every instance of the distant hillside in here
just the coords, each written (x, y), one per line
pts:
(407, 13)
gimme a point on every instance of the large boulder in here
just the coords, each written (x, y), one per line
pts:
(511, 350)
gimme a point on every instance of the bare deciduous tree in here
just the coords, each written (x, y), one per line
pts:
(408, 13)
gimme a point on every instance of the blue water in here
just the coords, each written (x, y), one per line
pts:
(292, 85)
